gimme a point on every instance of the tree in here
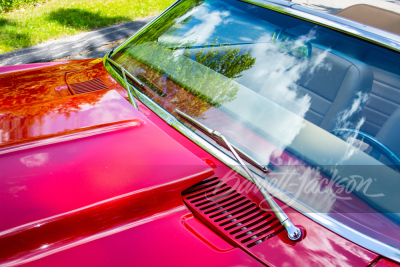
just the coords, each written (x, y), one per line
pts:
(228, 62)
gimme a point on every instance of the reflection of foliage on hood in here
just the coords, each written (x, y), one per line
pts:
(28, 121)
(192, 76)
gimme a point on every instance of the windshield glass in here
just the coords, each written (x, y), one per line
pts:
(318, 107)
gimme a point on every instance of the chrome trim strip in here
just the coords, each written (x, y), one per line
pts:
(326, 221)
(348, 22)
(283, 2)
(352, 28)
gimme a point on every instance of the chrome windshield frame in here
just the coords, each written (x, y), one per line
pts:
(337, 227)
(324, 220)
(333, 22)
(355, 29)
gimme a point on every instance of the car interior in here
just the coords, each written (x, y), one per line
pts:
(381, 110)
(334, 89)
(370, 61)
(357, 89)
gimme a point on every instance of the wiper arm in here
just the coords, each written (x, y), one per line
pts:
(294, 233)
(213, 45)
(209, 132)
(127, 85)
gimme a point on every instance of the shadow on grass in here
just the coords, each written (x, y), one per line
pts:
(12, 36)
(82, 19)
(4, 22)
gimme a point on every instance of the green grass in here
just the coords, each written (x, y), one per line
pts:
(9, 5)
(56, 19)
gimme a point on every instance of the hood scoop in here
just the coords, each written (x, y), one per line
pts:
(88, 86)
(233, 215)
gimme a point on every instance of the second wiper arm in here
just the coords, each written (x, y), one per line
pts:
(124, 74)
(294, 233)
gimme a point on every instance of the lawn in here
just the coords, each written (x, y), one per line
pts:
(34, 24)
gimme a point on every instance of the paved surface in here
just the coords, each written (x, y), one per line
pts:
(85, 45)
(92, 53)
(95, 44)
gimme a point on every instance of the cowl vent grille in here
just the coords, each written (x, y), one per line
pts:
(230, 213)
(88, 86)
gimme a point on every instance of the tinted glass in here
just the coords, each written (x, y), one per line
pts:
(318, 107)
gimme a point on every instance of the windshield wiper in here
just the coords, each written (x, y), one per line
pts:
(209, 132)
(131, 93)
(294, 233)
(213, 45)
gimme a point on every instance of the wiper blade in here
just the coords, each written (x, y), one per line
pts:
(125, 73)
(213, 45)
(209, 132)
(294, 233)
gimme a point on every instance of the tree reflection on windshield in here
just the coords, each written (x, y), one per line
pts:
(210, 82)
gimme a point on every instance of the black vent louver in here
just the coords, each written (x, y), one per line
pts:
(230, 213)
(88, 86)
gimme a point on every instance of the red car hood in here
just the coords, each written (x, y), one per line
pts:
(90, 180)
(60, 156)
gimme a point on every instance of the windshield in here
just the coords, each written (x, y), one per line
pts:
(318, 107)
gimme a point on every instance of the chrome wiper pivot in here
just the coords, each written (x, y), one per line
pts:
(293, 232)
(127, 85)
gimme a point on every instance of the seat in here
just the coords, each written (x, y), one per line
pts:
(385, 93)
(333, 85)
(389, 133)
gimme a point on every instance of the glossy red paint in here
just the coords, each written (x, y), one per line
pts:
(160, 241)
(385, 263)
(138, 169)
(99, 219)
(205, 234)
(114, 198)
(38, 84)
(30, 122)
(25, 67)
(53, 179)
(320, 247)
(176, 97)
